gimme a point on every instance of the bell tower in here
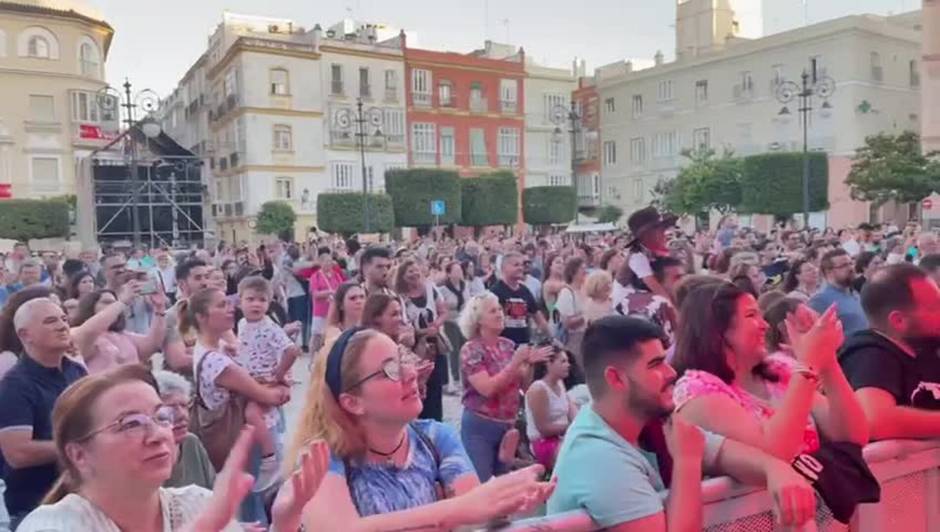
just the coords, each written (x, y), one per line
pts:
(703, 26)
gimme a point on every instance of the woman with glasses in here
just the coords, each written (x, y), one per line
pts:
(192, 461)
(113, 438)
(388, 470)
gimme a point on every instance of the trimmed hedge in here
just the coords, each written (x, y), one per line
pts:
(23, 219)
(549, 205)
(491, 199)
(413, 190)
(772, 183)
(276, 218)
(342, 212)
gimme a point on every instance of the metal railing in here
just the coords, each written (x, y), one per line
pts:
(478, 105)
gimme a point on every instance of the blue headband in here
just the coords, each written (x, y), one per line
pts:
(334, 361)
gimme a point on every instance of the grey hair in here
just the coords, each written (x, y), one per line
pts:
(29, 263)
(169, 382)
(469, 319)
(24, 314)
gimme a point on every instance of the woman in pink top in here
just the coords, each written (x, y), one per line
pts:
(323, 284)
(768, 402)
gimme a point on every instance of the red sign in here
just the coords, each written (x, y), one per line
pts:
(927, 204)
(6, 191)
(86, 131)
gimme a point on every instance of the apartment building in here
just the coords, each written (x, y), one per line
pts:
(547, 126)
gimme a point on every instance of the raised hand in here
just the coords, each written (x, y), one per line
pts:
(231, 486)
(816, 346)
(287, 510)
(519, 491)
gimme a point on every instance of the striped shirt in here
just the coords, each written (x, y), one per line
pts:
(74, 513)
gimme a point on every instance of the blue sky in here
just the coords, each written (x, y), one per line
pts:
(155, 42)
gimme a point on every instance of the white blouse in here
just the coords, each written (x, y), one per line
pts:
(74, 513)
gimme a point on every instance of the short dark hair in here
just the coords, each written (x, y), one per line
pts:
(607, 256)
(659, 266)
(186, 266)
(610, 340)
(889, 289)
(930, 263)
(72, 266)
(572, 266)
(373, 253)
(324, 250)
(825, 264)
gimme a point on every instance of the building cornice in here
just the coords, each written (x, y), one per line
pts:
(269, 111)
(66, 75)
(325, 48)
(68, 14)
(414, 62)
(260, 46)
(286, 168)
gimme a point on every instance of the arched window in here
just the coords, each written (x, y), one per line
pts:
(280, 82)
(37, 42)
(38, 47)
(88, 59)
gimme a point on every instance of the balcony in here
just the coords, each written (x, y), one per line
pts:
(340, 137)
(509, 106)
(365, 91)
(478, 105)
(508, 161)
(589, 200)
(396, 140)
(336, 87)
(421, 98)
(450, 102)
(239, 208)
(233, 160)
(479, 159)
(744, 91)
(391, 94)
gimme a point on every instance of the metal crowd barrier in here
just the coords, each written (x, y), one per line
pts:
(908, 470)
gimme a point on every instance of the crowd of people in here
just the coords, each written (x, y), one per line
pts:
(145, 389)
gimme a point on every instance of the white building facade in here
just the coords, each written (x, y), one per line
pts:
(726, 99)
(547, 144)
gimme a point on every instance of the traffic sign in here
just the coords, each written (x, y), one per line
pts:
(5, 191)
(438, 208)
(927, 204)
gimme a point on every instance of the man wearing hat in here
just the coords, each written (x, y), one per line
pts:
(648, 228)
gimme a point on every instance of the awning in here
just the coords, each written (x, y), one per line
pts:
(591, 228)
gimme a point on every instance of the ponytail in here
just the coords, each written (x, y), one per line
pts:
(186, 321)
(63, 486)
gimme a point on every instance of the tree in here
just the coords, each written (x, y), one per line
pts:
(342, 212)
(413, 190)
(277, 218)
(549, 205)
(772, 183)
(893, 167)
(609, 214)
(707, 182)
(491, 199)
(24, 219)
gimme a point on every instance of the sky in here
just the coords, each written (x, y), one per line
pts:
(156, 42)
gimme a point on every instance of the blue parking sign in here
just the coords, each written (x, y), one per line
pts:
(438, 208)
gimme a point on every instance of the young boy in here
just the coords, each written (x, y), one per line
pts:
(268, 353)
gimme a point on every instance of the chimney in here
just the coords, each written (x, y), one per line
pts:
(317, 35)
(658, 58)
(574, 67)
(583, 68)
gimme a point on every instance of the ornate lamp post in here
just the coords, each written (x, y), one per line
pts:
(813, 84)
(344, 120)
(558, 116)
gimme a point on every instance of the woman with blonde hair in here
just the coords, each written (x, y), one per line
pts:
(387, 469)
(598, 289)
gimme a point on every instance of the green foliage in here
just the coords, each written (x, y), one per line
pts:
(276, 218)
(413, 190)
(772, 183)
(707, 182)
(892, 167)
(549, 205)
(23, 219)
(343, 212)
(609, 214)
(491, 199)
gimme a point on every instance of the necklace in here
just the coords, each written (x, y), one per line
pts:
(389, 456)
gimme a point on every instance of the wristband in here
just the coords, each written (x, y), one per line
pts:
(161, 314)
(807, 372)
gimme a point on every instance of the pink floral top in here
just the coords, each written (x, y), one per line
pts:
(475, 356)
(696, 383)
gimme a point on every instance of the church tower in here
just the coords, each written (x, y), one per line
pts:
(703, 26)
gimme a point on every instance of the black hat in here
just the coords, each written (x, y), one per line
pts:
(646, 219)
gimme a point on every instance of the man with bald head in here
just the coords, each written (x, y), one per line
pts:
(27, 393)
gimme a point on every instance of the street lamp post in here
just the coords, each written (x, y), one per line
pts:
(372, 116)
(561, 113)
(147, 100)
(812, 84)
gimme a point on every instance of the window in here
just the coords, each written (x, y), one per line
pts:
(701, 139)
(85, 107)
(508, 95)
(554, 151)
(391, 85)
(341, 175)
(701, 91)
(38, 47)
(230, 85)
(610, 105)
(477, 101)
(365, 90)
(447, 146)
(421, 86)
(664, 92)
(665, 144)
(745, 86)
(508, 147)
(394, 126)
(45, 174)
(284, 188)
(914, 69)
(551, 102)
(638, 189)
(556, 180)
(41, 108)
(638, 150)
(423, 143)
(637, 105)
(877, 73)
(88, 59)
(445, 94)
(776, 77)
(280, 82)
(283, 140)
(610, 152)
(336, 79)
(478, 148)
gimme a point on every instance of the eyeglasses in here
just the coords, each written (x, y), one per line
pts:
(391, 369)
(137, 424)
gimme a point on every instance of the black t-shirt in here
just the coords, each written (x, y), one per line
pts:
(27, 394)
(518, 305)
(870, 360)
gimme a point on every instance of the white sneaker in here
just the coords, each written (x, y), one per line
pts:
(267, 474)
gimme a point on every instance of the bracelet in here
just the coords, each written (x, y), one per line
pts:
(806, 372)
(161, 314)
